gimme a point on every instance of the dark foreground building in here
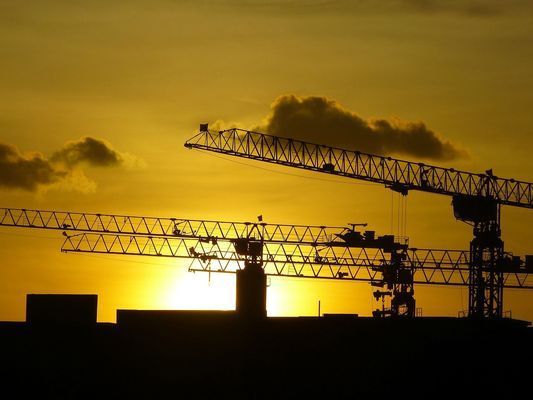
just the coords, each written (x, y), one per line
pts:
(216, 354)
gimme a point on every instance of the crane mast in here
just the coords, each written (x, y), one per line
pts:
(477, 198)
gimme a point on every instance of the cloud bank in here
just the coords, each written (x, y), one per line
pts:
(92, 151)
(324, 121)
(18, 171)
(31, 171)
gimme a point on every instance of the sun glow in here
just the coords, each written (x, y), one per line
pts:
(199, 291)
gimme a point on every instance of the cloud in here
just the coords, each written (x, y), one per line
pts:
(62, 170)
(88, 150)
(324, 121)
(74, 181)
(25, 171)
(220, 125)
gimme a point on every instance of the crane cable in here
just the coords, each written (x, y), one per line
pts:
(398, 215)
(284, 173)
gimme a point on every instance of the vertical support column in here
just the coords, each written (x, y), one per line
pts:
(485, 298)
(403, 301)
(399, 279)
(485, 282)
(251, 291)
(251, 280)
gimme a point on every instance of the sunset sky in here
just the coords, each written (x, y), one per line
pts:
(98, 98)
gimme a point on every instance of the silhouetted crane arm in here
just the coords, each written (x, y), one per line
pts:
(171, 227)
(396, 174)
(428, 266)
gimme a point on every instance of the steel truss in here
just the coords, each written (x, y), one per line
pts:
(167, 227)
(285, 250)
(428, 266)
(394, 173)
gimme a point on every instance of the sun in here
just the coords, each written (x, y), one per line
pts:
(186, 290)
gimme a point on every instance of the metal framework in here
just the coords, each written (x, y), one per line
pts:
(166, 227)
(339, 253)
(396, 174)
(302, 260)
(477, 199)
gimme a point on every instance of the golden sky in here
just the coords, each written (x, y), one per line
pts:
(141, 75)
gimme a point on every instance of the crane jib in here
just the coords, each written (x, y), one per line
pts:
(288, 250)
(396, 174)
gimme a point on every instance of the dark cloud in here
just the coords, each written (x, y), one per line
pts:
(31, 171)
(25, 172)
(88, 150)
(319, 120)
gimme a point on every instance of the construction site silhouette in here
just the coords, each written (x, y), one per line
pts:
(62, 351)
(218, 354)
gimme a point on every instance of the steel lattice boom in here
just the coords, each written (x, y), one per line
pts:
(166, 227)
(429, 266)
(339, 253)
(397, 174)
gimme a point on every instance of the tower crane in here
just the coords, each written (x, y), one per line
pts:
(260, 249)
(476, 197)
